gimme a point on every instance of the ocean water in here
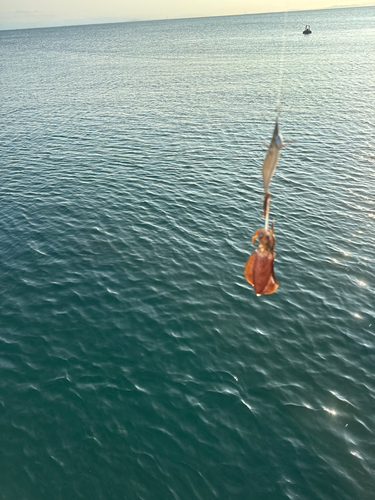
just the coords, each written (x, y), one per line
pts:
(136, 362)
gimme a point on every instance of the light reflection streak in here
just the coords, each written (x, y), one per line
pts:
(361, 283)
(332, 412)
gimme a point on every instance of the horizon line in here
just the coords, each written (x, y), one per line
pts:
(92, 22)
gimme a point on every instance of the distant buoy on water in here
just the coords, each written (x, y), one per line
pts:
(307, 30)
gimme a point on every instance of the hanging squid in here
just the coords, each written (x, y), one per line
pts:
(259, 266)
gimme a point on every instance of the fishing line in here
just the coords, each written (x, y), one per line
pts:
(267, 215)
(278, 102)
(281, 64)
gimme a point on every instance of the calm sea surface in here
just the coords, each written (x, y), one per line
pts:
(135, 360)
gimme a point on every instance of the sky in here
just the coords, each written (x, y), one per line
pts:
(39, 13)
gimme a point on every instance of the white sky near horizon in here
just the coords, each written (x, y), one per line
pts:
(37, 13)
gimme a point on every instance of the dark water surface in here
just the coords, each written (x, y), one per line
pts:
(135, 360)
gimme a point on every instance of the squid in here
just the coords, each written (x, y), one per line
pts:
(259, 266)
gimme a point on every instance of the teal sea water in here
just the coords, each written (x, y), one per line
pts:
(135, 360)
